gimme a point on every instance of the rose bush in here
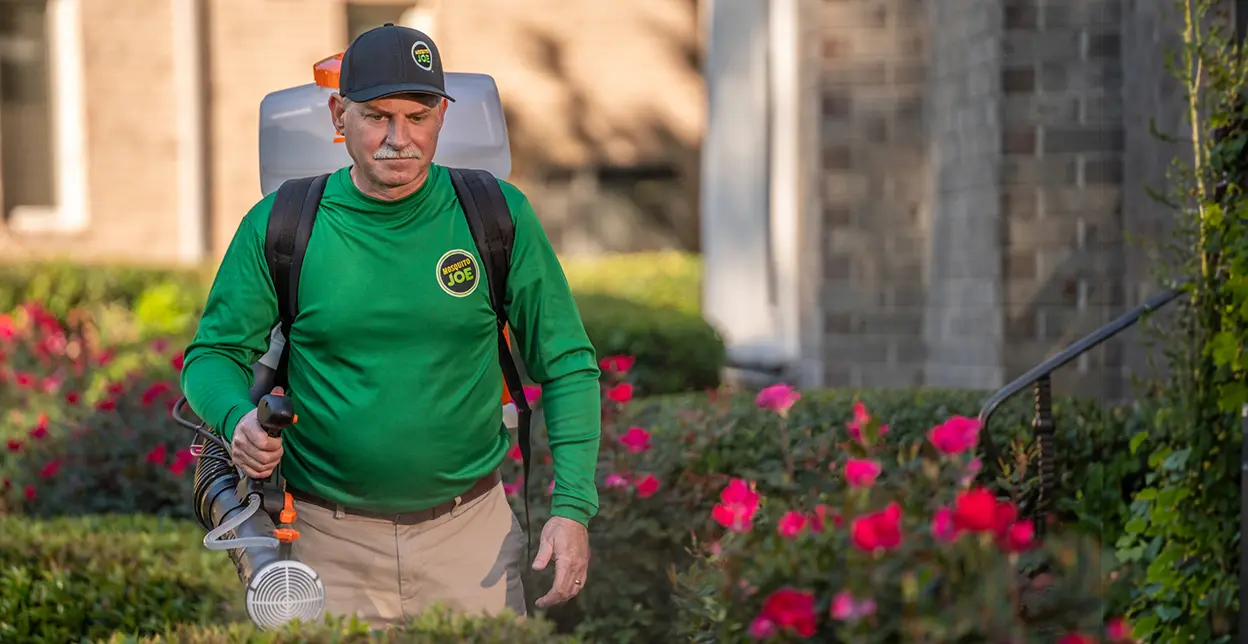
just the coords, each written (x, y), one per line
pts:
(87, 426)
(665, 461)
(915, 551)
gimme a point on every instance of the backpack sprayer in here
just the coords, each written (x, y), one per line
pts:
(252, 520)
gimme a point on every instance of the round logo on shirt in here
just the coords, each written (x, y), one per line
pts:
(457, 273)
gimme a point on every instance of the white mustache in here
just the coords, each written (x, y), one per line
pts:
(387, 152)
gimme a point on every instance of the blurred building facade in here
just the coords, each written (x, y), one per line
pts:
(128, 128)
(886, 193)
(949, 192)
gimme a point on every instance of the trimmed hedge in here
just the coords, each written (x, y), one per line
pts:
(433, 627)
(676, 351)
(644, 304)
(145, 579)
(666, 279)
(71, 578)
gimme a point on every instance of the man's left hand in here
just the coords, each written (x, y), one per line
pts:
(567, 542)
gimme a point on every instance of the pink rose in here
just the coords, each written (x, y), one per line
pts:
(762, 628)
(791, 524)
(647, 486)
(955, 435)
(636, 439)
(738, 503)
(943, 528)
(621, 393)
(861, 472)
(1117, 630)
(878, 530)
(615, 480)
(861, 418)
(778, 398)
(845, 608)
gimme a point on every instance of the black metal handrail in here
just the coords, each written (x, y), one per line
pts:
(1039, 376)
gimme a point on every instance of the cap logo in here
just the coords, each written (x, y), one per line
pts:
(422, 55)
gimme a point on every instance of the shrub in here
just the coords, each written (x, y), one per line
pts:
(146, 579)
(676, 351)
(665, 279)
(644, 304)
(87, 577)
(664, 461)
(164, 301)
(893, 543)
(87, 429)
(435, 626)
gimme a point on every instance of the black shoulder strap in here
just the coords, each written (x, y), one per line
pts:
(286, 241)
(494, 232)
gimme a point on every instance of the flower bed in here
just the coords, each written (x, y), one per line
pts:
(916, 552)
(90, 433)
(666, 462)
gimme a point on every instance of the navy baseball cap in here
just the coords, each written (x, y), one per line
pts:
(389, 60)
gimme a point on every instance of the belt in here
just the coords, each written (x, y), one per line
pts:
(478, 489)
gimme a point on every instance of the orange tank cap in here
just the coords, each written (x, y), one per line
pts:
(325, 72)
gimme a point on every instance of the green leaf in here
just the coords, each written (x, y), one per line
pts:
(1223, 348)
(1138, 440)
(1177, 460)
(1168, 614)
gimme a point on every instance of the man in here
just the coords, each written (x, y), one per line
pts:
(395, 376)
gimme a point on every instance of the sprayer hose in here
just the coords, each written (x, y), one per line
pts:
(213, 466)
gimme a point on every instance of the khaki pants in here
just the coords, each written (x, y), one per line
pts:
(384, 573)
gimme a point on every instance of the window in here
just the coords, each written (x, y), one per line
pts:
(43, 170)
(27, 119)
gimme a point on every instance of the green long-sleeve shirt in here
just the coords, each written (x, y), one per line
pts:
(393, 363)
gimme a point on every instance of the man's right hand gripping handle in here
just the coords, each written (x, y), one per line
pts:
(257, 443)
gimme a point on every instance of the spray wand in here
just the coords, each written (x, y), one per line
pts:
(229, 505)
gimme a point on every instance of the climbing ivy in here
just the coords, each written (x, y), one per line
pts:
(1183, 528)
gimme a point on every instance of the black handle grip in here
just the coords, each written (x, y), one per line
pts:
(275, 413)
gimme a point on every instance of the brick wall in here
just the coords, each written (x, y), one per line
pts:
(1008, 239)
(963, 327)
(1150, 92)
(246, 65)
(588, 87)
(874, 163)
(1062, 176)
(593, 89)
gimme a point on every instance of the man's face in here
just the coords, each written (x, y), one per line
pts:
(391, 139)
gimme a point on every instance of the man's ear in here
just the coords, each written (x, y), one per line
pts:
(337, 112)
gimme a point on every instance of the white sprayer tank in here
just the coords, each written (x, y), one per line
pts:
(297, 137)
